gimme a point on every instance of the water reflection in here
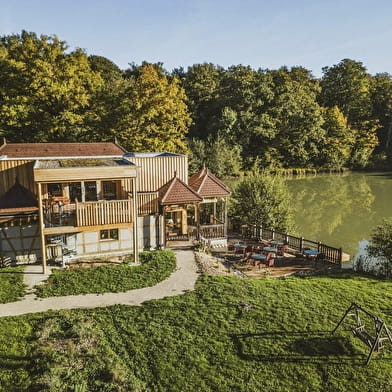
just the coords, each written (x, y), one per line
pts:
(341, 210)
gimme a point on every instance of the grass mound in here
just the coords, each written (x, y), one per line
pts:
(229, 334)
(155, 267)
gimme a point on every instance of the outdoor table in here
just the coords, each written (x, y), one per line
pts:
(270, 249)
(258, 256)
(278, 243)
(240, 246)
(311, 252)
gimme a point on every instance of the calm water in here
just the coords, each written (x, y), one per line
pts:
(341, 210)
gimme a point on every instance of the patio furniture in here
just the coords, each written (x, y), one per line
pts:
(311, 254)
(276, 243)
(239, 248)
(270, 249)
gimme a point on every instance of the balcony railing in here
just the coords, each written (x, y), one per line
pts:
(212, 231)
(105, 212)
(91, 213)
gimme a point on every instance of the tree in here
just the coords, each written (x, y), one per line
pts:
(153, 113)
(263, 200)
(106, 68)
(381, 242)
(336, 145)
(201, 83)
(223, 159)
(347, 85)
(44, 91)
(298, 118)
(381, 91)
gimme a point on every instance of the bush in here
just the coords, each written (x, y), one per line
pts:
(12, 287)
(155, 266)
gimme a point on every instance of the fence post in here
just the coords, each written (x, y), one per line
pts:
(340, 256)
(318, 246)
(261, 232)
(287, 237)
(301, 244)
(273, 233)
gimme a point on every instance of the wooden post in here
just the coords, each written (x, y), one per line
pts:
(135, 226)
(42, 226)
(261, 232)
(318, 246)
(301, 244)
(340, 256)
(225, 219)
(273, 233)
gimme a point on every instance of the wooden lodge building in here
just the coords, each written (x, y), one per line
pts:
(62, 201)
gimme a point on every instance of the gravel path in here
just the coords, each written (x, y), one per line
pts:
(180, 281)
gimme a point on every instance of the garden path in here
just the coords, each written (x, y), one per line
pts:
(180, 281)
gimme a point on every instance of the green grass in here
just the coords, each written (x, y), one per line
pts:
(205, 341)
(155, 267)
(12, 287)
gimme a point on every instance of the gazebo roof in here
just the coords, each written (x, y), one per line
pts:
(207, 185)
(176, 191)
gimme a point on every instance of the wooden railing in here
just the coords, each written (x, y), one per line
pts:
(212, 231)
(105, 212)
(299, 244)
(147, 203)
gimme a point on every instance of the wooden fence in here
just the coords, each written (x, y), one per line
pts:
(103, 212)
(212, 231)
(296, 244)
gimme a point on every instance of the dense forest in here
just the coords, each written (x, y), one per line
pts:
(232, 119)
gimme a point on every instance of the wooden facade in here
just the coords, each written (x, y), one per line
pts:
(155, 170)
(22, 170)
(98, 203)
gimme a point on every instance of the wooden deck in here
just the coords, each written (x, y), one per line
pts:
(284, 266)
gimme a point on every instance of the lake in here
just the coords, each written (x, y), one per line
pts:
(341, 210)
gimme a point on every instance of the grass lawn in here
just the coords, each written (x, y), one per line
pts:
(155, 267)
(12, 287)
(205, 341)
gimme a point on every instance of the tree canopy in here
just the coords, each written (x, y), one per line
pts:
(284, 118)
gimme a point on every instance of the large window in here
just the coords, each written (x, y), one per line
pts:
(75, 191)
(109, 190)
(110, 234)
(90, 191)
(55, 190)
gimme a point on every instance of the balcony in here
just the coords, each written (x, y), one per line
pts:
(70, 217)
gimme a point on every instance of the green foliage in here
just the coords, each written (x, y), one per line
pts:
(155, 267)
(262, 199)
(381, 90)
(12, 287)
(153, 113)
(337, 144)
(204, 341)
(44, 91)
(381, 241)
(222, 158)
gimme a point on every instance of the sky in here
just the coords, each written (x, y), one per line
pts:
(262, 34)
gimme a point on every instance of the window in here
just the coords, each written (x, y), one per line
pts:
(90, 188)
(110, 234)
(75, 191)
(109, 190)
(55, 190)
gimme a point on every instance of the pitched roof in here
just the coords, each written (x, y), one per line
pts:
(40, 150)
(18, 199)
(207, 185)
(176, 191)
